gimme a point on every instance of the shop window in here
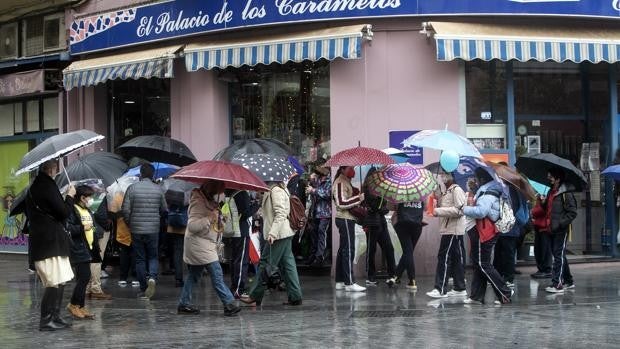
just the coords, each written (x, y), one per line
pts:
(288, 102)
(547, 88)
(486, 92)
(18, 112)
(50, 113)
(7, 120)
(140, 107)
(33, 36)
(32, 116)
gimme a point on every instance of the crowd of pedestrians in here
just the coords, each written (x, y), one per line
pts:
(68, 239)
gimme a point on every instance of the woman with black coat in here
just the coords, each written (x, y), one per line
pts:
(377, 231)
(84, 249)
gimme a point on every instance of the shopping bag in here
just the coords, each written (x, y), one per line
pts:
(360, 243)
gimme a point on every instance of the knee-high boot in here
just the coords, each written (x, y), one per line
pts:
(48, 303)
(57, 306)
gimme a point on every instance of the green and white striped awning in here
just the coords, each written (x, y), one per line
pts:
(332, 43)
(470, 41)
(133, 65)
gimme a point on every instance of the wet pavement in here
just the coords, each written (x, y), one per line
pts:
(584, 317)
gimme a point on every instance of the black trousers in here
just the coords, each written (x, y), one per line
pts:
(239, 262)
(542, 251)
(408, 235)
(82, 277)
(450, 262)
(346, 251)
(484, 272)
(127, 261)
(504, 256)
(379, 235)
(561, 271)
(322, 230)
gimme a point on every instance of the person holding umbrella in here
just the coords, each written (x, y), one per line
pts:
(47, 213)
(557, 211)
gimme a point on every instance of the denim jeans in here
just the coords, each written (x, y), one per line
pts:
(217, 281)
(145, 248)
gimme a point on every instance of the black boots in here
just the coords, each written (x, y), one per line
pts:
(50, 310)
(231, 309)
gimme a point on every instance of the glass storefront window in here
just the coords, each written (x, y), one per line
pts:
(288, 102)
(50, 113)
(32, 116)
(486, 92)
(7, 120)
(139, 107)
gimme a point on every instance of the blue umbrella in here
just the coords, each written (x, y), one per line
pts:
(299, 168)
(612, 172)
(397, 155)
(162, 170)
(443, 140)
(465, 170)
(539, 187)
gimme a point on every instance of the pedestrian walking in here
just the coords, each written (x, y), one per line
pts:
(143, 206)
(103, 226)
(345, 200)
(277, 251)
(47, 213)
(377, 233)
(485, 208)
(204, 226)
(504, 256)
(451, 227)
(407, 222)
(542, 241)
(320, 192)
(559, 209)
(84, 249)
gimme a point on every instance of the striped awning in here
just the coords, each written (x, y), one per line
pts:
(133, 65)
(579, 43)
(332, 43)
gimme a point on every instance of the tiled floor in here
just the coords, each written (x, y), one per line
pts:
(380, 318)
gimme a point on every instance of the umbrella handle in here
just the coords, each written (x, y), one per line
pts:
(64, 170)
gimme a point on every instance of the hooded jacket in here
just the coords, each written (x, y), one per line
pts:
(563, 211)
(199, 242)
(487, 205)
(449, 205)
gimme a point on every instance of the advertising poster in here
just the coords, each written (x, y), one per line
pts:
(11, 239)
(398, 140)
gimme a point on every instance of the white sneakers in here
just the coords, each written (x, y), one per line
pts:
(150, 288)
(354, 288)
(454, 293)
(340, 285)
(552, 289)
(436, 294)
(471, 301)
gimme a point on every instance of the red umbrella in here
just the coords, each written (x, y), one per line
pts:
(233, 175)
(359, 156)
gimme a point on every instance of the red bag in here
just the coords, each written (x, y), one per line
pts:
(486, 229)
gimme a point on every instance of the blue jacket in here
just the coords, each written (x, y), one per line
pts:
(323, 199)
(487, 205)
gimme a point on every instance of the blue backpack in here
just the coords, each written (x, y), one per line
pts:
(522, 215)
(177, 216)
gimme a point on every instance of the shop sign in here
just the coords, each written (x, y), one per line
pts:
(22, 83)
(398, 141)
(171, 19)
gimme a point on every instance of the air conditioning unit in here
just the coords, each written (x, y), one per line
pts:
(54, 32)
(8, 41)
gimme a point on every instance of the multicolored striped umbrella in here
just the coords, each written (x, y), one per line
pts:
(398, 183)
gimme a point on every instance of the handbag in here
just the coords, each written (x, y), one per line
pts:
(219, 247)
(486, 229)
(271, 274)
(360, 213)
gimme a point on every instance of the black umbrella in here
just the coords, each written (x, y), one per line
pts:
(19, 203)
(158, 149)
(55, 147)
(536, 167)
(267, 167)
(254, 146)
(102, 165)
(172, 186)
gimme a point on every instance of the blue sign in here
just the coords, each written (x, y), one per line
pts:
(398, 141)
(177, 18)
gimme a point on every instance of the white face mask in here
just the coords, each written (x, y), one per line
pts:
(89, 202)
(218, 197)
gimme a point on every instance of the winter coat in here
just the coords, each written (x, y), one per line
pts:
(377, 209)
(200, 235)
(276, 208)
(563, 211)
(143, 206)
(80, 252)
(449, 205)
(323, 199)
(487, 205)
(47, 213)
(342, 194)
(103, 219)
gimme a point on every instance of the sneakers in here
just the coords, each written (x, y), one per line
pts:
(569, 286)
(510, 284)
(471, 301)
(150, 288)
(135, 283)
(122, 283)
(436, 294)
(188, 310)
(553, 289)
(391, 281)
(354, 288)
(454, 293)
(231, 309)
(371, 283)
(340, 285)
(411, 285)
(104, 274)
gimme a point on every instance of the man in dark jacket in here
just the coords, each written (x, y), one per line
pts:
(143, 206)
(47, 213)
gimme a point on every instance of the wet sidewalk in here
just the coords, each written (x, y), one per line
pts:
(382, 317)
